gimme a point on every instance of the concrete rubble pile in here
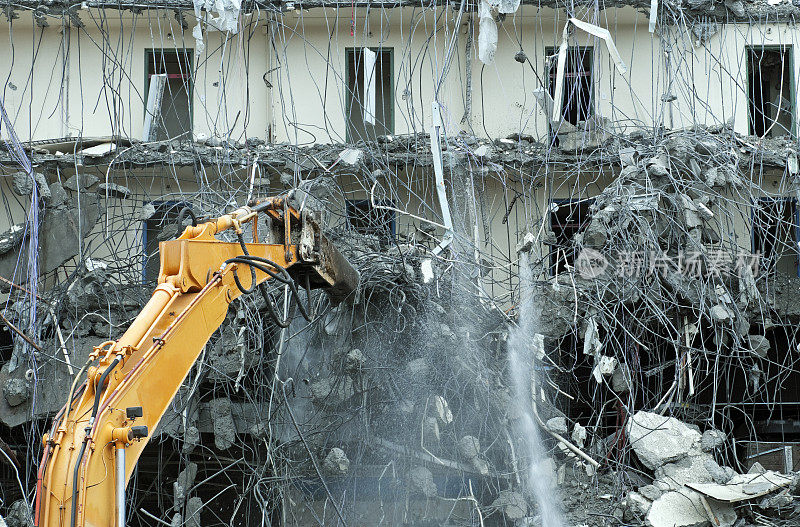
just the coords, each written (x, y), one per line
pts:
(682, 462)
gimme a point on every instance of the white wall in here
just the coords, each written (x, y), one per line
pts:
(91, 81)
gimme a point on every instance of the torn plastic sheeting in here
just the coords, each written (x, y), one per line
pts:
(591, 339)
(653, 15)
(506, 6)
(562, 58)
(227, 18)
(487, 34)
(603, 366)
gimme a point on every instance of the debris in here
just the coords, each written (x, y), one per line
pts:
(712, 440)
(558, 425)
(193, 508)
(351, 156)
(222, 421)
(685, 509)
(86, 181)
(487, 33)
(19, 515)
(22, 184)
(743, 487)
(421, 480)
(113, 190)
(658, 440)
(443, 413)
(579, 435)
(336, 462)
(759, 345)
(512, 504)
(16, 391)
(183, 484)
(469, 447)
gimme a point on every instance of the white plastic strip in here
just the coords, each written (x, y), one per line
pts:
(653, 15)
(370, 57)
(603, 33)
(438, 169)
(562, 58)
(558, 95)
(155, 94)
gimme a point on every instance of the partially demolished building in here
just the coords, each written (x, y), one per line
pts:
(576, 226)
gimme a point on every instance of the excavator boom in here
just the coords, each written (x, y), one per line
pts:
(97, 438)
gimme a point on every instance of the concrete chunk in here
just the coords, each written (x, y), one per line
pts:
(512, 504)
(16, 391)
(222, 419)
(336, 462)
(469, 447)
(84, 180)
(421, 481)
(658, 440)
(712, 440)
(558, 425)
(112, 190)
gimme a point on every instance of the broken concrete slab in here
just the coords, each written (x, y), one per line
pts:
(19, 515)
(690, 469)
(113, 190)
(743, 487)
(22, 184)
(351, 156)
(720, 313)
(651, 492)
(579, 435)
(331, 391)
(759, 345)
(62, 230)
(685, 508)
(84, 180)
(183, 484)
(193, 507)
(12, 237)
(637, 505)
(658, 440)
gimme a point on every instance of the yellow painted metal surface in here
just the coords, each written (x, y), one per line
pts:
(157, 353)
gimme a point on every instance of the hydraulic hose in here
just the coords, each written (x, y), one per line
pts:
(275, 271)
(97, 394)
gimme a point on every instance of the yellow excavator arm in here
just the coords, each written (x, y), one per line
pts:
(97, 438)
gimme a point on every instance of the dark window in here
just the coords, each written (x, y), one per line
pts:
(160, 226)
(567, 218)
(770, 90)
(577, 102)
(775, 234)
(363, 218)
(172, 115)
(358, 129)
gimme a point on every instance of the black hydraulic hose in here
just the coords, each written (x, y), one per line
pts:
(279, 273)
(95, 406)
(256, 262)
(186, 211)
